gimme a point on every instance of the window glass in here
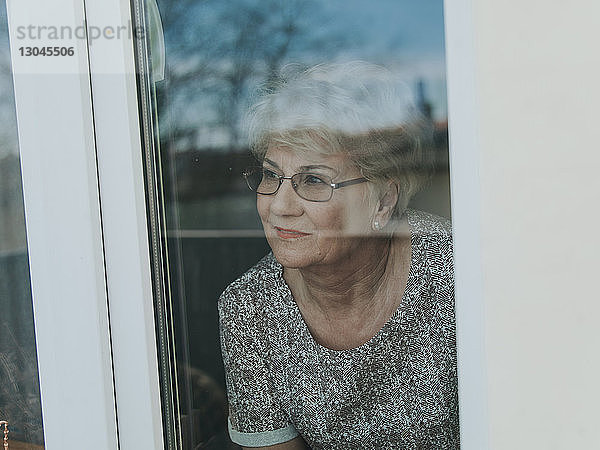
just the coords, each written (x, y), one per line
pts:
(19, 386)
(217, 54)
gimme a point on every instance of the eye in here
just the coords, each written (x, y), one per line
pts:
(269, 174)
(311, 179)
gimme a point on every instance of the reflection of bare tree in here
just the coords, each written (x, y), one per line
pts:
(19, 391)
(216, 50)
(8, 139)
(19, 388)
(12, 226)
(4, 52)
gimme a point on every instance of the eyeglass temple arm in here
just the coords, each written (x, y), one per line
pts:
(348, 183)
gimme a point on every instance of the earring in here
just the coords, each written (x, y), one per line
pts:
(376, 225)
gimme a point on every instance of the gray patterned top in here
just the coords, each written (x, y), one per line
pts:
(398, 390)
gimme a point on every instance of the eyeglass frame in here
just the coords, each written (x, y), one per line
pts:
(280, 178)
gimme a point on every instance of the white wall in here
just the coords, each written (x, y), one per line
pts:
(537, 98)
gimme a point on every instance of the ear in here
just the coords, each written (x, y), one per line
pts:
(385, 205)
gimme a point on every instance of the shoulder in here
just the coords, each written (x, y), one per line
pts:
(432, 243)
(248, 293)
(433, 232)
(427, 224)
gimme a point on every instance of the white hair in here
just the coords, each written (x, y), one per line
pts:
(356, 108)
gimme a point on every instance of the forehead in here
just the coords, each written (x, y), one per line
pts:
(286, 158)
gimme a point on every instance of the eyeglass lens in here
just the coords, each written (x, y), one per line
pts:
(307, 185)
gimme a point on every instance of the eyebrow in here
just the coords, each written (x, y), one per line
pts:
(317, 166)
(302, 168)
(273, 163)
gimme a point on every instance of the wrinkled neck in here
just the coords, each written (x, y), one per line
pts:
(351, 283)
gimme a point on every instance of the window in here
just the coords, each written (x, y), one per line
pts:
(195, 88)
(19, 387)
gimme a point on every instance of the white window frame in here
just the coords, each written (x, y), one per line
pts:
(125, 227)
(64, 233)
(79, 136)
(466, 222)
(79, 142)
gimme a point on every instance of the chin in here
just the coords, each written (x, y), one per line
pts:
(290, 259)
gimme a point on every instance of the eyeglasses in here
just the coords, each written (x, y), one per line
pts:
(309, 186)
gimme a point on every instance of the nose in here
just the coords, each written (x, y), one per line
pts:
(285, 202)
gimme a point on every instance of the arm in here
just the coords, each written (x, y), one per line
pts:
(295, 444)
(257, 417)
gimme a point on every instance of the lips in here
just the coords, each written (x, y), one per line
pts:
(287, 233)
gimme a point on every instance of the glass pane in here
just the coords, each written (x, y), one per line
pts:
(218, 56)
(19, 386)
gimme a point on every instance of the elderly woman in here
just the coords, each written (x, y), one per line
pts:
(343, 337)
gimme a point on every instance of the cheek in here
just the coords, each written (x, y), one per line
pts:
(360, 220)
(347, 220)
(331, 221)
(262, 206)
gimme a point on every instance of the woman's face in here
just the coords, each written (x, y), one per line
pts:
(302, 233)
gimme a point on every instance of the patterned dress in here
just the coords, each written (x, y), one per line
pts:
(396, 391)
